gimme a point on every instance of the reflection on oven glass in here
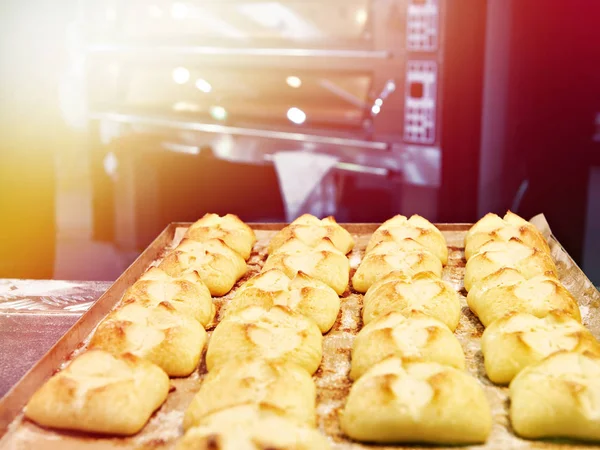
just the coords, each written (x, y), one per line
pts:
(244, 94)
(243, 21)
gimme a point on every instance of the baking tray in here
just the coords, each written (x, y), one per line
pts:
(332, 382)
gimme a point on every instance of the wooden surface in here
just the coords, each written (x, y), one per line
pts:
(331, 379)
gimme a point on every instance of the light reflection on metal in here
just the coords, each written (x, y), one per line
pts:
(181, 148)
(215, 51)
(349, 167)
(293, 81)
(203, 85)
(181, 75)
(185, 107)
(342, 93)
(296, 115)
(223, 129)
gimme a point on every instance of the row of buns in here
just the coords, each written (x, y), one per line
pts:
(259, 391)
(408, 368)
(156, 331)
(534, 338)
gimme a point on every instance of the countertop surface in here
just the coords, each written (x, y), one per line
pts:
(34, 314)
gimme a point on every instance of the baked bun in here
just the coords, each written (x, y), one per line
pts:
(251, 427)
(423, 292)
(229, 228)
(285, 387)
(558, 398)
(323, 262)
(399, 228)
(277, 335)
(396, 402)
(493, 228)
(512, 254)
(537, 296)
(100, 393)
(518, 340)
(159, 334)
(187, 294)
(407, 256)
(415, 337)
(310, 230)
(218, 266)
(303, 294)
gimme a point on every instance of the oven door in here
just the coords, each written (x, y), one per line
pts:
(360, 104)
(343, 25)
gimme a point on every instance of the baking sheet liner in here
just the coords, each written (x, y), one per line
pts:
(331, 379)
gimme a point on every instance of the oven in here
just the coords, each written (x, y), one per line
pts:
(244, 80)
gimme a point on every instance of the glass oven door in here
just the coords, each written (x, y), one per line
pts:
(366, 25)
(350, 103)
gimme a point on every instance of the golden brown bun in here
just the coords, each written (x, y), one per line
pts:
(415, 337)
(509, 291)
(159, 334)
(513, 254)
(100, 393)
(323, 262)
(407, 256)
(218, 266)
(229, 228)
(493, 228)
(399, 228)
(310, 230)
(251, 427)
(278, 335)
(286, 387)
(424, 292)
(558, 398)
(518, 340)
(187, 294)
(396, 402)
(303, 294)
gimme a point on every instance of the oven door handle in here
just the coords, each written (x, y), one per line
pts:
(238, 131)
(255, 51)
(349, 167)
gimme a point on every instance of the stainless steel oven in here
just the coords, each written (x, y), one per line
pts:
(355, 79)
